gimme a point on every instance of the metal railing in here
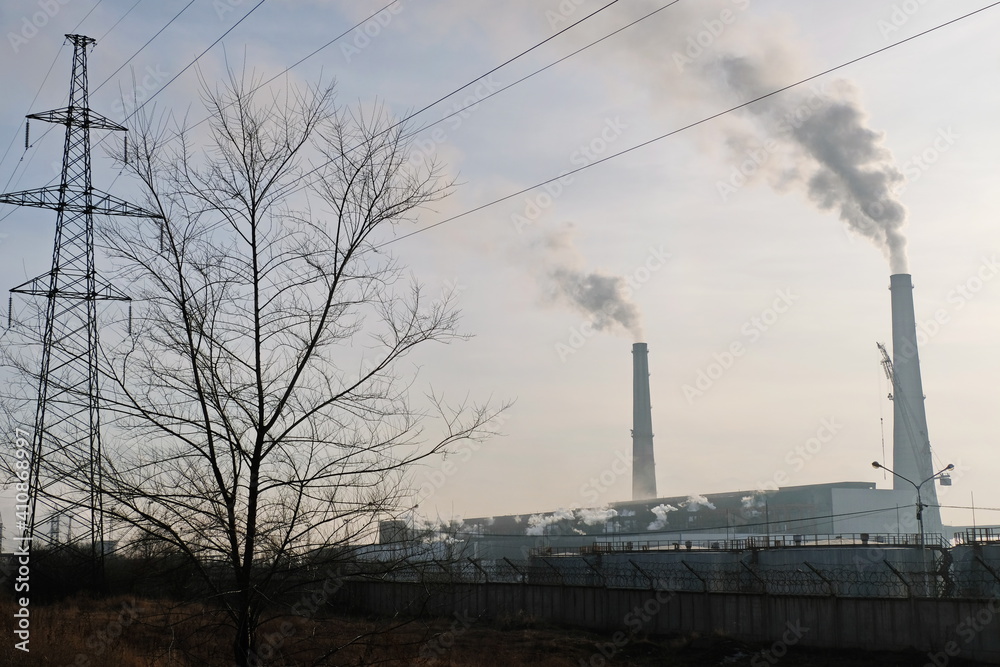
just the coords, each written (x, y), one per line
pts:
(977, 536)
(934, 540)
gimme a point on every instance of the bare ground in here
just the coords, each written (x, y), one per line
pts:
(130, 632)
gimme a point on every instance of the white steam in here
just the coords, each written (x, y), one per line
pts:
(696, 502)
(751, 505)
(661, 511)
(597, 517)
(538, 523)
(449, 529)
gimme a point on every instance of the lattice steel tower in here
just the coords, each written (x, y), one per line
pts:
(67, 430)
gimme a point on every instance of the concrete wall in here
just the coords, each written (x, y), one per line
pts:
(976, 570)
(942, 628)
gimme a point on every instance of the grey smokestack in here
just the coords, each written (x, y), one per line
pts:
(643, 468)
(911, 449)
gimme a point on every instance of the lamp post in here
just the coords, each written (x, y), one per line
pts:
(920, 504)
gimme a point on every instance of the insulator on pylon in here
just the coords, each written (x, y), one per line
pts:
(126, 148)
(27, 134)
(10, 309)
(129, 318)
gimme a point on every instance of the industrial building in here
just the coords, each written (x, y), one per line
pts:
(764, 517)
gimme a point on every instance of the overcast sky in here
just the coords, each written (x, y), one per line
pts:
(732, 235)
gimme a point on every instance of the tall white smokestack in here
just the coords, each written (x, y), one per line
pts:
(911, 449)
(643, 468)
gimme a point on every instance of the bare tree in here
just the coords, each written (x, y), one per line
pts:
(258, 407)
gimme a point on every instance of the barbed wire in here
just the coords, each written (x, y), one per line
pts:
(869, 573)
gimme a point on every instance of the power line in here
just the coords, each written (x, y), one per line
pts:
(80, 22)
(688, 126)
(188, 66)
(539, 71)
(307, 57)
(162, 88)
(967, 507)
(478, 78)
(108, 31)
(31, 106)
(413, 114)
(148, 42)
(54, 60)
(332, 41)
(501, 65)
(453, 92)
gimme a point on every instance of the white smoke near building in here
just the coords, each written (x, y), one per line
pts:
(539, 523)
(696, 502)
(448, 530)
(751, 505)
(660, 511)
(597, 517)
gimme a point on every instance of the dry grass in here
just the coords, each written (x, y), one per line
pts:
(130, 632)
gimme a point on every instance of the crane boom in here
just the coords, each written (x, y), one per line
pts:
(887, 367)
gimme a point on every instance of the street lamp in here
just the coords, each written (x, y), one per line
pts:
(920, 504)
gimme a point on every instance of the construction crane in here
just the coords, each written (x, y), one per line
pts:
(887, 367)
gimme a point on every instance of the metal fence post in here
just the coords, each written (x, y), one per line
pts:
(829, 584)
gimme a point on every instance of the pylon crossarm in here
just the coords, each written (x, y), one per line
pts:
(42, 286)
(86, 118)
(101, 203)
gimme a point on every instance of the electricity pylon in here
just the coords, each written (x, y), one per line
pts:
(67, 430)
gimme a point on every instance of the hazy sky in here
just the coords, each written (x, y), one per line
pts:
(731, 235)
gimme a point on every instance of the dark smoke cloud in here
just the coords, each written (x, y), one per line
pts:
(603, 298)
(850, 170)
(857, 177)
(600, 296)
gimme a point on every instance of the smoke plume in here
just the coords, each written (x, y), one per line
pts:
(843, 163)
(600, 296)
(817, 140)
(605, 299)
